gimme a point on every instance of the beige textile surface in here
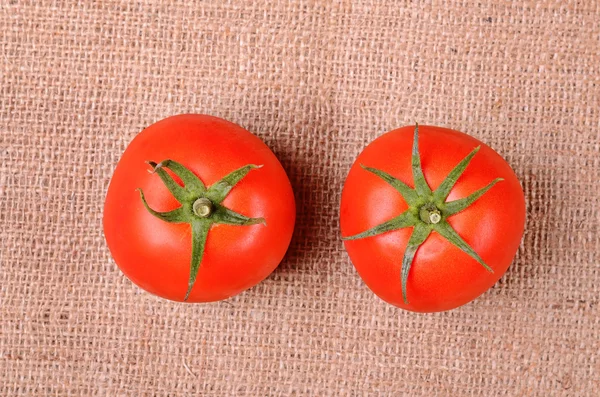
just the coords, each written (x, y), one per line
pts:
(316, 80)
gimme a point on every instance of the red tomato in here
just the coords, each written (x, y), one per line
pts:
(219, 216)
(412, 239)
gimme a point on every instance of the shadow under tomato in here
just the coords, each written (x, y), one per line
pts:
(308, 146)
(535, 254)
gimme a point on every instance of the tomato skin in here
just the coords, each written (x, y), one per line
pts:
(442, 277)
(155, 254)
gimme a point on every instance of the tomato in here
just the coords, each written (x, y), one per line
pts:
(431, 218)
(198, 209)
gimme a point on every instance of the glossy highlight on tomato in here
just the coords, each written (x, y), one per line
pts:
(198, 209)
(431, 217)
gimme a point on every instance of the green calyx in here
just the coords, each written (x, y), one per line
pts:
(200, 206)
(427, 210)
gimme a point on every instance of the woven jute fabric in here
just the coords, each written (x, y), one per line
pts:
(317, 81)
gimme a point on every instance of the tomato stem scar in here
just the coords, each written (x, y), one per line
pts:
(430, 214)
(203, 207)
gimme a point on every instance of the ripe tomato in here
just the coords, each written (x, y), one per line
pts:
(198, 209)
(447, 239)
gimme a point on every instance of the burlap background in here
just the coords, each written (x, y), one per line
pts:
(317, 80)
